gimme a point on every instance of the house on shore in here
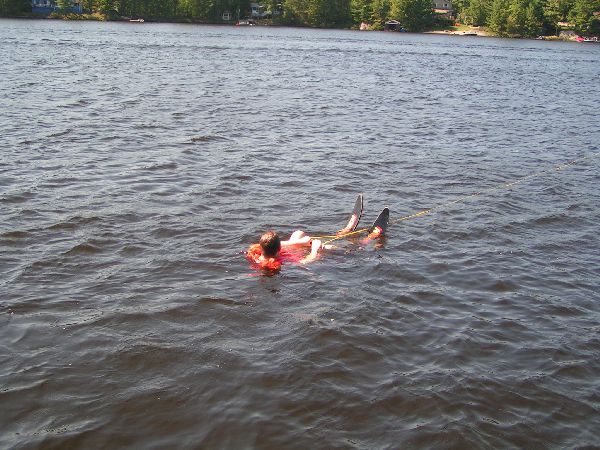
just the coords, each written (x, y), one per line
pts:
(444, 8)
(49, 6)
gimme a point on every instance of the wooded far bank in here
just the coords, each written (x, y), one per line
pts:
(517, 18)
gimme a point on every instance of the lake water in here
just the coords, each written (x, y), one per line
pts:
(139, 161)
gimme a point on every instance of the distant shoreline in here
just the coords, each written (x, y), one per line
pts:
(101, 17)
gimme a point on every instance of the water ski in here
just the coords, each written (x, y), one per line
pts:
(354, 217)
(380, 225)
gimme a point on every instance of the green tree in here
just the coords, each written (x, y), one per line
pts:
(89, 5)
(109, 5)
(460, 7)
(552, 15)
(295, 12)
(414, 15)
(582, 15)
(534, 18)
(498, 18)
(327, 13)
(515, 21)
(318, 13)
(565, 7)
(361, 10)
(477, 12)
(14, 7)
(594, 28)
(195, 9)
(380, 11)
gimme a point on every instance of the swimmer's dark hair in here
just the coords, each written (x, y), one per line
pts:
(270, 244)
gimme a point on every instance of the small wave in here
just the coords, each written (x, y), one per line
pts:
(551, 219)
(107, 138)
(564, 311)
(166, 232)
(222, 301)
(148, 126)
(304, 317)
(130, 217)
(16, 234)
(164, 166)
(82, 102)
(73, 223)
(503, 286)
(40, 264)
(76, 104)
(574, 371)
(27, 142)
(78, 317)
(131, 250)
(17, 198)
(59, 182)
(226, 191)
(292, 183)
(84, 249)
(238, 177)
(207, 138)
(61, 133)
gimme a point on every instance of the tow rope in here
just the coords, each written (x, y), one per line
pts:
(464, 198)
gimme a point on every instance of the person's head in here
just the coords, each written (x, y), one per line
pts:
(270, 244)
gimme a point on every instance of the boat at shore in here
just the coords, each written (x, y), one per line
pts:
(245, 23)
(137, 20)
(586, 39)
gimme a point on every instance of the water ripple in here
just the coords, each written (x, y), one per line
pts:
(139, 162)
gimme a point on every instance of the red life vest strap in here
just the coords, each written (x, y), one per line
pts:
(255, 256)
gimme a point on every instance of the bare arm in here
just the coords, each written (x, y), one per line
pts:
(298, 239)
(314, 252)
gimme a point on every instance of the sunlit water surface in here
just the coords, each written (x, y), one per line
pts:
(138, 162)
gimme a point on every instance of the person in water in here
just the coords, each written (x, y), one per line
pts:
(271, 251)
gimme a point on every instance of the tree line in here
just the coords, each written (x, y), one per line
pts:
(503, 17)
(530, 17)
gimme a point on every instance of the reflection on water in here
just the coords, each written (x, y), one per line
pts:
(137, 163)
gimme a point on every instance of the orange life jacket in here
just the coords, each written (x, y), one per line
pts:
(254, 254)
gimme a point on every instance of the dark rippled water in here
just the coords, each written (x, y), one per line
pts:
(139, 161)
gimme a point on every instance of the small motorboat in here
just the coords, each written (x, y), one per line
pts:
(245, 23)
